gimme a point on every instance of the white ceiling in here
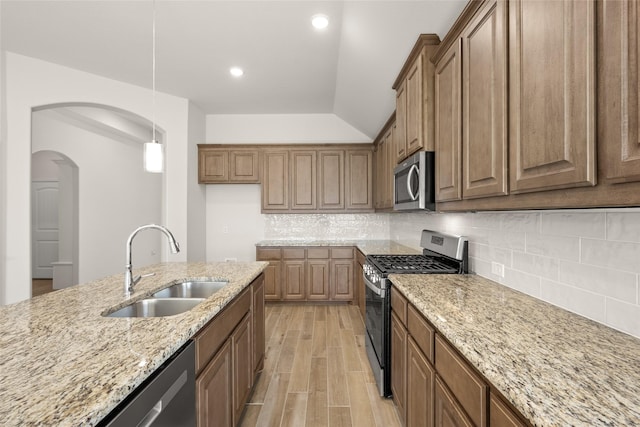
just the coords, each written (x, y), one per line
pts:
(290, 67)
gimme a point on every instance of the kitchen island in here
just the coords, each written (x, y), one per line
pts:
(555, 367)
(62, 363)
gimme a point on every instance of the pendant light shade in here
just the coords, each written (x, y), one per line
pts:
(153, 157)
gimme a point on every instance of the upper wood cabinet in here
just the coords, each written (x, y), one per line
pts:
(224, 165)
(414, 99)
(484, 103)
(619, 89)
(303, 179)
(448, 125)
(331, 178)
(552, 94)
(384, 162)
(275, 177)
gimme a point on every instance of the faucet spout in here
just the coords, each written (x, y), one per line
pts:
(129, 280)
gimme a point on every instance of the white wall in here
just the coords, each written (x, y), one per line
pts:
(43, 167)
(31, 83)
(106, 171)
(586, 261)
(196, 195)
(3, 174)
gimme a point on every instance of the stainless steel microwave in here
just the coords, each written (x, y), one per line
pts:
(414, 183)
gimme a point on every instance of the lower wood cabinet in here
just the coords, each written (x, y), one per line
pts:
(359, 282)
(448, 411)
(500, 415)
(420, 382)
(229, 352)
(308, 273)
(399, 366)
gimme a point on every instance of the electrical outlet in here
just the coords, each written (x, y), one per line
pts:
(497, 269)
(231, 260)
(225, 229)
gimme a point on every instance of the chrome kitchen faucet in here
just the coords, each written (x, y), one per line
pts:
(129, 280)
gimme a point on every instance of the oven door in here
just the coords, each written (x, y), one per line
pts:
(377, 315)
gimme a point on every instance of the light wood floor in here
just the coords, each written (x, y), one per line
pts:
(316, 371)
(41, 286)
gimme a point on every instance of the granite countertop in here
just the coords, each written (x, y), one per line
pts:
(554, 366)
(62, 363)
(367, 247)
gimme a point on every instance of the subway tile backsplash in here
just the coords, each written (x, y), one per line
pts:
(586, 261)
(326, 226)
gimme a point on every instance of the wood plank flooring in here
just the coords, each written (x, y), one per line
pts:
(316, 371)
(41, 286)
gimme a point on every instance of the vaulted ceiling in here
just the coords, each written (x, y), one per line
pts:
(290, 67)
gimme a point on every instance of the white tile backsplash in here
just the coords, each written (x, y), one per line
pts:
(586, 261)
(326, 226)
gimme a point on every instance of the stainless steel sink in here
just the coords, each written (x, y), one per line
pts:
(156, 307)
(192, 289)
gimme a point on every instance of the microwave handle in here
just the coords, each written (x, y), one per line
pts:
(413, 169)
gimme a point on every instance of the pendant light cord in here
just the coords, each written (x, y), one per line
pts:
(153, 71)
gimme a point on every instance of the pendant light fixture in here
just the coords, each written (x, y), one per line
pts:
(153, 151)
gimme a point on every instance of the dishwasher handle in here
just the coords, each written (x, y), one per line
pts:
(164, 401)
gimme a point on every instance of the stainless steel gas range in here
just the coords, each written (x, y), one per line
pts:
(442, 254)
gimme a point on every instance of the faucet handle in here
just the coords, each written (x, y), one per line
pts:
(146, 275)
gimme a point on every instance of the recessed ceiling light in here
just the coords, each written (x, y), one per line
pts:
(236, 71)
(320, 21)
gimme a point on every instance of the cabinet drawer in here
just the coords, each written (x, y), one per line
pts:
(399, 305)
(500, 415)
(466, 385)
(318, 253)
(266, 254)
(421, 331)
(293, 253)
(212, 336)
(342, 253)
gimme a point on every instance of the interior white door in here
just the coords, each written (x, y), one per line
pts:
(44, 228)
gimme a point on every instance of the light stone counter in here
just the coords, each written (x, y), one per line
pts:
(367, 247)
(63, 364)
(557, 368)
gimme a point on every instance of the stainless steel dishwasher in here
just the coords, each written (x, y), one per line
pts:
(166, 399)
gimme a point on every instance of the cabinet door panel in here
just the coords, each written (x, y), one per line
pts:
(619, 93)
(275, 182)
(257, 316)
(341, 280)
(331, 179)
(448, 411)
(448, 133)
(415, 123)
(214, 166)
(294, 278)
(272, 288)
(358, 180)
(303, 180)
(399, 365)
(552, 94)
(484, 104)
(420, 387)
(500, 415)
(401, 123)
(214, 391)
(242, 367)
(318, 279)
(244, 166)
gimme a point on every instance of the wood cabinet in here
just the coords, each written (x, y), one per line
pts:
(227, 352)
(303, 180)
(619, 90)
(385, 161)
(399, 366)
(273, 272)
(551, 94)
(258, 326)
(275, 181)
(500, 415)
(331, 179)
(448, 125)
(309, 273)
(358, 182)
(221, 164)
(448, 411)
(420, 381)
(415, 99)
(294, 274)
(484, 103)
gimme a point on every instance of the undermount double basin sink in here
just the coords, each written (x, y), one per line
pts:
(175, 299)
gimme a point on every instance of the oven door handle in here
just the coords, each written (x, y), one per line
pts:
(381, 292)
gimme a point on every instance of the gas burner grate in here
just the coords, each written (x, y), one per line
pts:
(418, 264)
